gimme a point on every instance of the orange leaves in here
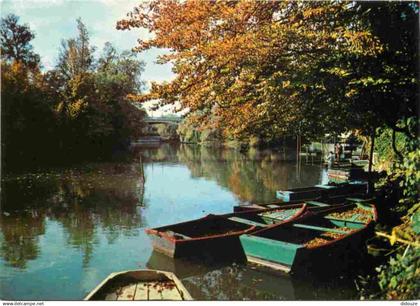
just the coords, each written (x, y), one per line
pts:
(244, 64)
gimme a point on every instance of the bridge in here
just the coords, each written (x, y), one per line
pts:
(165, 120)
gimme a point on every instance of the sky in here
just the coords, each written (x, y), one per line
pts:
(54, 20)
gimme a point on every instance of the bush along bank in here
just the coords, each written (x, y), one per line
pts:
(397, 275)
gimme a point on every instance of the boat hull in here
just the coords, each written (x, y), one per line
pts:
(217, 236)
(321, 192)
(217, 248)
(299, 194)
(303, 260)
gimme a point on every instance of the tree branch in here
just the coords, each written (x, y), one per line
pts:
(394, 146)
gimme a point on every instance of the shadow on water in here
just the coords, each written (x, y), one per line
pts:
(241, 281)
(80, 199)
(63, 230)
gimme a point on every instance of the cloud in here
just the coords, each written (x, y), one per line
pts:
(18, 6)
(54, 20)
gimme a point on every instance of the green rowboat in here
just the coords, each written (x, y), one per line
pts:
(321, 192)
(312, 241)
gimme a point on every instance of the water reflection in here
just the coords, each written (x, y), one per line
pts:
(240, 282)
(251, 176)
(63, 230)
(80, 199)
(21, 237)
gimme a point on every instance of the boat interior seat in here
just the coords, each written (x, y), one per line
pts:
(177, 235)
(316, 203)
(249, 222)
(354, 224)
(275, 215)
(360, 200)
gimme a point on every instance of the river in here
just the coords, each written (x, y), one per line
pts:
(63, 230)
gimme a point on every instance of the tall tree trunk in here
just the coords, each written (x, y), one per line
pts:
(370, 182)
(372, 145)
(394, 146)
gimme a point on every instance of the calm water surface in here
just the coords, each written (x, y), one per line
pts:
(64, 230)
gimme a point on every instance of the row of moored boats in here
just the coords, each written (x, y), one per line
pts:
(307, 228)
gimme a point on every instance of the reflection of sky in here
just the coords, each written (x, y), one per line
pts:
(171, 195)
(324, 177)
(58, 272)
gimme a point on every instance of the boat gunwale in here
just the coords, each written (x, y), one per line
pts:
(350, 234)
(174, 240)
(252, 207)
(326, 211)
(322, 210)
(299, 189)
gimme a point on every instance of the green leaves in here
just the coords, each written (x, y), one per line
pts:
(400, 278)
(415, 221)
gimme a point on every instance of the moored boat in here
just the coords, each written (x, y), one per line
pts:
(217, 235)
(140, 285)
(314, 240)
(299, 194)
(346, 173)
(311, 204)
(278, 205)
(322, 202)
(319, 192)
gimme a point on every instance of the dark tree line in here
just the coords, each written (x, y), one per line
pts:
(78, 110)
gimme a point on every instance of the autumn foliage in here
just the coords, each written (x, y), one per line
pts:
(79, 110)
(257, 67)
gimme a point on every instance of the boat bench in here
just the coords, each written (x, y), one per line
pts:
(177, 235)
(316, 203)
(249, 222)
(274, 215)
(359, 200)
(351, 223)
(319, 228)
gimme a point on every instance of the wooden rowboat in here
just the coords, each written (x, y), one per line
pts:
(217, 235)
(321, 192)
(280, 204)
(346, 173)
(140, 285)
(323, 202)
(299, 194)
(314, 241)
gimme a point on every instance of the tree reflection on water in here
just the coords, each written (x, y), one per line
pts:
(68, 228)
(102, 196)
(252, 176)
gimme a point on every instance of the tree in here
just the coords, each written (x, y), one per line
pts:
(109, 54)
(118, 77)
(248, 68)
(76, 54)
(392, 77)
(77, 110)
(15, 42)
(26, 112)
